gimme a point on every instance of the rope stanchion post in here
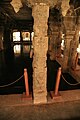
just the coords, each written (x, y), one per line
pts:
(26, 82)
(57, 81)
(26, 95)
(55, 93)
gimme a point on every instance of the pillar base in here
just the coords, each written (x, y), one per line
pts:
(40, 100)
(24, 96)
(53, 96)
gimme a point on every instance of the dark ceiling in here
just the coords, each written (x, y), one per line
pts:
(23, 17)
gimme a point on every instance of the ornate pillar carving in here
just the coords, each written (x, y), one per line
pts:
(74, 45)
(40, 13)
(69, 22)
(53, 39)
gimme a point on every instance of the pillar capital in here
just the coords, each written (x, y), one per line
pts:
(32, 3)
(69, 23)
(69, 35)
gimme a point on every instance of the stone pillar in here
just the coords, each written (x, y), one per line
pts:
(53, 39)
(66, 59)
(40, 14)
(74, 45)
(69, 23)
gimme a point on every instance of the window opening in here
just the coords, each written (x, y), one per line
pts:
(26, 36)
(17, 49)
(16, 36)
(22, 42)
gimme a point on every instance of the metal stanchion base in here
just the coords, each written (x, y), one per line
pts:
(24, 96)
(53, 96)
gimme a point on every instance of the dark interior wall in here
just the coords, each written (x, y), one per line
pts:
(8, 50)
(6, 37)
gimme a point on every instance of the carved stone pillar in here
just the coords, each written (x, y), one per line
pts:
(53, 39)
(69, 22)
(74, 45)
(66, 58)
(40, 14)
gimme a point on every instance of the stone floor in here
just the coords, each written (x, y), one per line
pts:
(63, 107)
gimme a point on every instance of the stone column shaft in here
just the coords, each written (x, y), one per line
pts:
(66, 58)
(53, 39)
(74, 45)
(53, 44)
(69, 22)
(40, 14)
